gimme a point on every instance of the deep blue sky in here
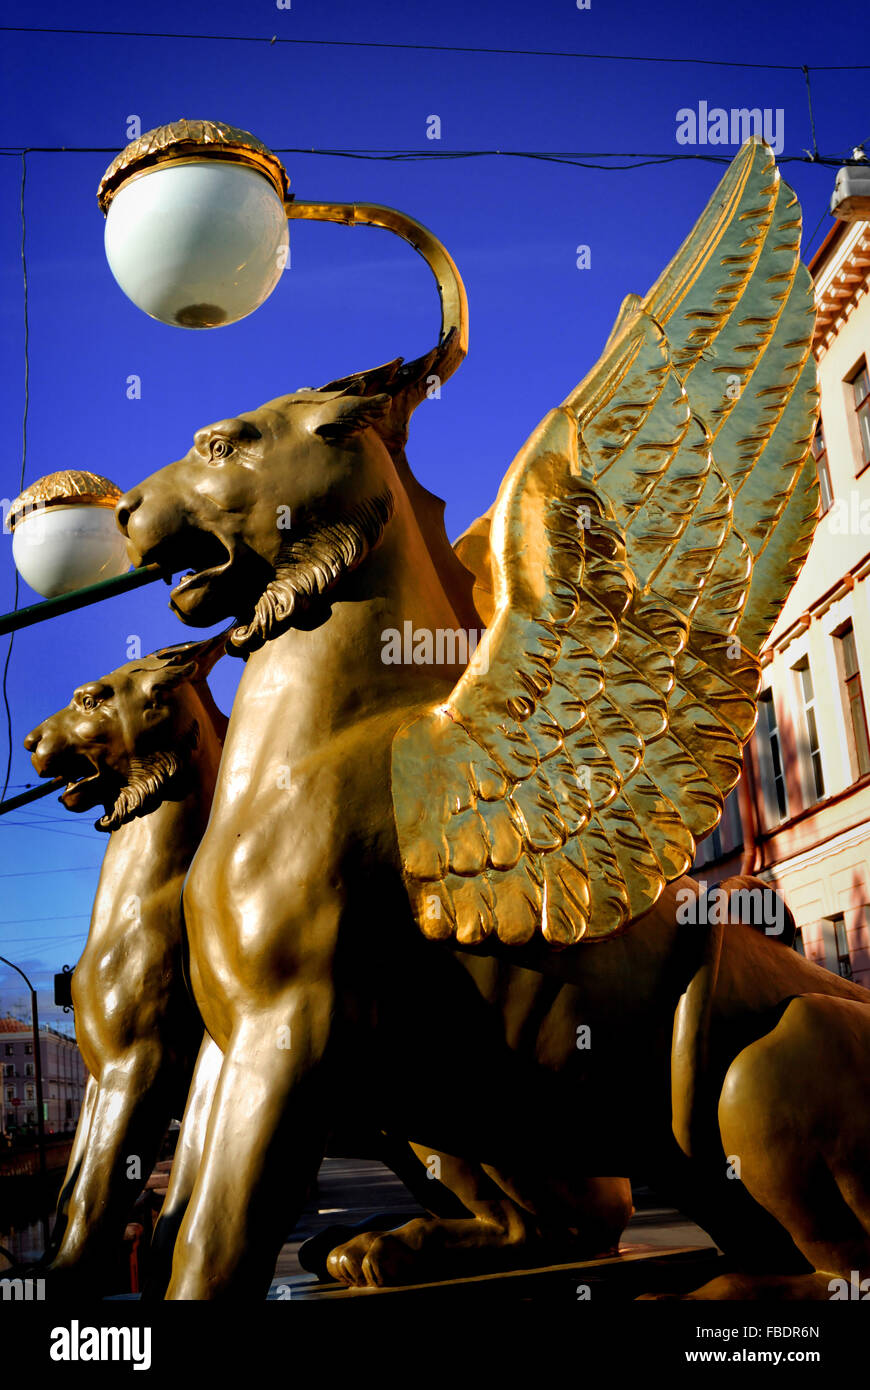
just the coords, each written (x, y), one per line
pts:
(352, 299)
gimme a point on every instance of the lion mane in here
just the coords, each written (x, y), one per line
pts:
(309, 566)
(151, 780)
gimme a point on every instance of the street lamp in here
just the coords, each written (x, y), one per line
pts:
(196, 229)
(64, 533)
(37, 1067)
(196, 242)
(196, 235)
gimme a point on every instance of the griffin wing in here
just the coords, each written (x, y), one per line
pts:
(638, 553)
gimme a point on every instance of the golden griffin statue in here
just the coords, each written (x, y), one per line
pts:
(420, 884)
(144, 742)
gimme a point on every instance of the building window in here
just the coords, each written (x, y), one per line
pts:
(28, 1070)
(820, 454)
(10, 1094)
(844, 962)
(28, 1093)
(850, 676)
(731, 823)
(28, 1049)
(814, 751)
(10, 1050)
(769, 728)
(9, 1069)
(860, 384)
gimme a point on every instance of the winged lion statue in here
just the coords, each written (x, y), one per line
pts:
(445, 895)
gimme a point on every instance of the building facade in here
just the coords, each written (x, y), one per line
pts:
(801, 816)
(63, 1078)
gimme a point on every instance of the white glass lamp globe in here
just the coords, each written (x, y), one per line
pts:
(64, 533)
(199, 243)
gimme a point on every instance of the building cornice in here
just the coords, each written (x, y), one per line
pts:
(821, 850)
(841, 279)
(817, 609)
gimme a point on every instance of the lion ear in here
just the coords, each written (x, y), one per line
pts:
(347, 416)
(169, 677)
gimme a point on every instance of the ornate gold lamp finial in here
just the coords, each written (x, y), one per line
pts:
(64, 534)
(196, 232)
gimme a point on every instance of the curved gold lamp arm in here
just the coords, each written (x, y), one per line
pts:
(187, 140)
(451, 291)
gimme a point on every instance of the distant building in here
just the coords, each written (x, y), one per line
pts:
(63, 1078)
(801, 816)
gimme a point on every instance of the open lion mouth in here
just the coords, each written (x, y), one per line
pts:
(87, 783)
(202, 554)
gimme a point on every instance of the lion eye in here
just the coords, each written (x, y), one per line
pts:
(89, 702)
(220, 449)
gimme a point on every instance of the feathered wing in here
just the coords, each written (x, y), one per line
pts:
(640, 548)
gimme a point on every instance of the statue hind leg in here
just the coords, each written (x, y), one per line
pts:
(521, 1221)
(435, 1247)
(803, 1144)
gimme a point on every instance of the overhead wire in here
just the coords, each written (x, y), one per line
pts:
(64, 917)
(71, 869)
(579, 159)
(393, 45)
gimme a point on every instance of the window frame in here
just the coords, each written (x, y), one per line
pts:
(852, 696)
(813, 762)
(861, 412)
(777, 789)
(844, 958)
(823, 469)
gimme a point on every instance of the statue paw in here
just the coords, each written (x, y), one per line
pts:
(372, 1260)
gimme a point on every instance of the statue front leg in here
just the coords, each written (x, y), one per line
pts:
(131, 1109)
(264, 1143)
(73, 1168)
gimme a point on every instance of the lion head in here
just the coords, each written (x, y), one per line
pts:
(126, 741)
(270, 509)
